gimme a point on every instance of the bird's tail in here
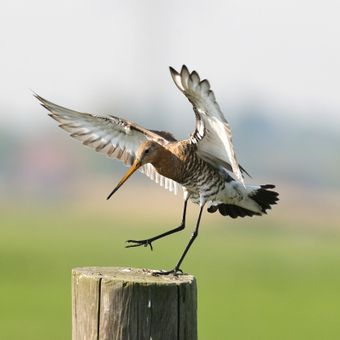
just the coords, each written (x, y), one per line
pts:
(256, 200)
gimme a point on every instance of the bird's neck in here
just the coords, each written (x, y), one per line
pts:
(168, 164)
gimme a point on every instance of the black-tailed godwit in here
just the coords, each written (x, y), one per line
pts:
(204, 165)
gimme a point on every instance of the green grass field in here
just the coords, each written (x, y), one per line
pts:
(257, 279)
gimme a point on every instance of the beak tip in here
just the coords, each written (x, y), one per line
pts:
(108, 197)
(133, 168)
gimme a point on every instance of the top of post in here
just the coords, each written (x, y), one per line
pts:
(128, 274)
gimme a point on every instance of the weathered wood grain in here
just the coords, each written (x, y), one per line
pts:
(130, 304)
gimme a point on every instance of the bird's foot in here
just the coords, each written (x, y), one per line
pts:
(135, 243)
(175, 272)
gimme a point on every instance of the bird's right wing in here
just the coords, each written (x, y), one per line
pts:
(213, 133)
(113, 136)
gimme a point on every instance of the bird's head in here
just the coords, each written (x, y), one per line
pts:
(147, 152)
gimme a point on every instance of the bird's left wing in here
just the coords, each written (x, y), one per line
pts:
(113, 136)
(213, 133)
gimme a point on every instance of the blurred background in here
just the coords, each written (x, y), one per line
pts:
(275, 69)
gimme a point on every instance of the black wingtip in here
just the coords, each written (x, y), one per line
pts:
(185, 69)
(44, 103)
(175, 72)
(41, 99)
(35, 95)
(194, 74)
(172, 70)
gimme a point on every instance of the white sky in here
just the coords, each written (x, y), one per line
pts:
(84, 53)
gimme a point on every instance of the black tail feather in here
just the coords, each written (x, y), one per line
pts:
(231, 210)
(263, 197)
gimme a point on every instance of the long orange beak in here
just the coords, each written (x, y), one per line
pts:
(135, 166)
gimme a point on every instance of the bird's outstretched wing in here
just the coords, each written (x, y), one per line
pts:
(213, 133)
(113, 136)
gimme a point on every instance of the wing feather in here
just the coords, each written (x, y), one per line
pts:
(115, 137)
(213, 134)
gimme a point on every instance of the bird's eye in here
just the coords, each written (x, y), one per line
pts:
(147, 151)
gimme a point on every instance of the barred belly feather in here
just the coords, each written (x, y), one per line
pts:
(202, 182)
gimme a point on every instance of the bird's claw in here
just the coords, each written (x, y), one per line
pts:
(174, 272)
(135, 243)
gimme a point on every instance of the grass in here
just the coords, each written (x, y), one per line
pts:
(255, 281)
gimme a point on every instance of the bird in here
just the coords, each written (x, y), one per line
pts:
(204, 165)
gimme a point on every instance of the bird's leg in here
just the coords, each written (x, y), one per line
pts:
(177, 270)
(148, 242)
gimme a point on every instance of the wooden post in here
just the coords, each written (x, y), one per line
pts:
(132, 304)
